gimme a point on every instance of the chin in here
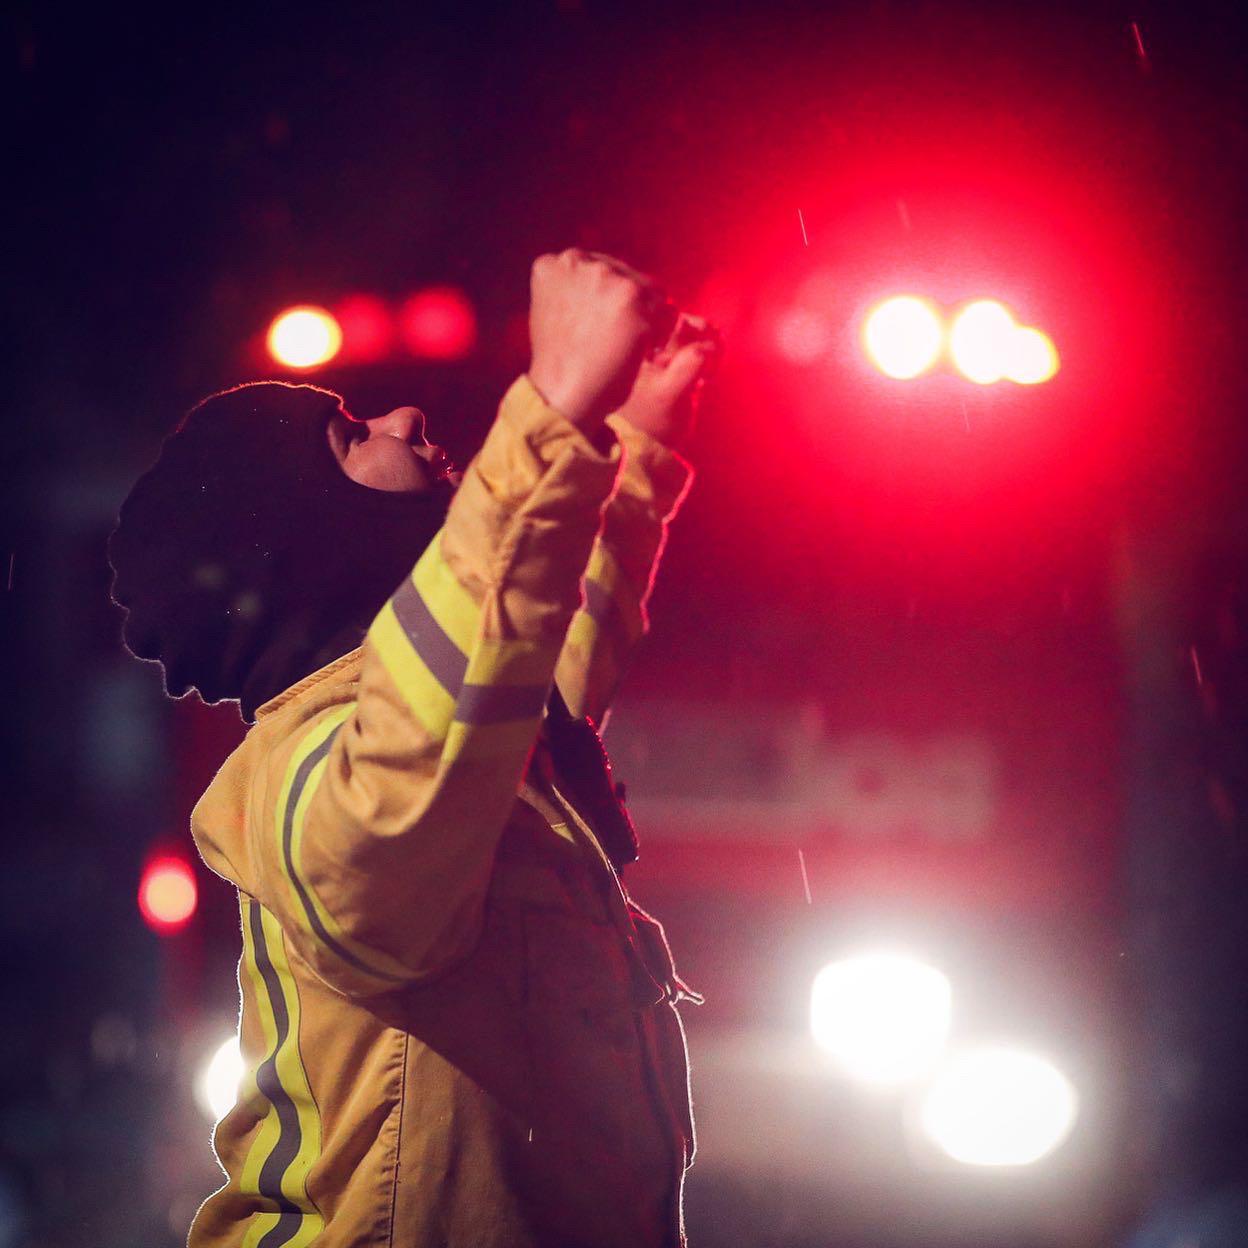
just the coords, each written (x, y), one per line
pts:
(397, 469)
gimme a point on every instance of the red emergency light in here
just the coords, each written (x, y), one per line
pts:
(437, 323)
(168, 894)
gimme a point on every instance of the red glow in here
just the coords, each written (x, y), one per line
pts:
(938, 462)
(367, 328)
(438, 324)
(803, 336)
(168, 894)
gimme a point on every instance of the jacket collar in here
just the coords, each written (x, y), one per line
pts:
(338, 668)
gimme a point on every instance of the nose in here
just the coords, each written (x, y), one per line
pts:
(405, 423)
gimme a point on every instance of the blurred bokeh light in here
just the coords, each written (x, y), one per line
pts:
(304, 337)
(1032, 357)
(168, 894)
(439, 323)
(999, 1107)
(216, 1088)
(980, 341)
(883, 1017)
(367, 328)
(902, 336)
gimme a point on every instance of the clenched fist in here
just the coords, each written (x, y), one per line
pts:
(592, 320)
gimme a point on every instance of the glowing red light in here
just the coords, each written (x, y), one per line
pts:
(438, 324)
(803, 336)
(168, 894)
(367, 328)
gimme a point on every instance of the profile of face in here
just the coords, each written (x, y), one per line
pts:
(389, 452)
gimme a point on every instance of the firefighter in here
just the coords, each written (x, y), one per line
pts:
(457, 1027)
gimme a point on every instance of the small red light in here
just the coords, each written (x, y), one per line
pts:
(439, 324)
(168, 894)
(367, 328)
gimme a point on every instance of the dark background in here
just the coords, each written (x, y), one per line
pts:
(1056, 573)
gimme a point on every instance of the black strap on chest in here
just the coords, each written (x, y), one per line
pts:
(582, 765)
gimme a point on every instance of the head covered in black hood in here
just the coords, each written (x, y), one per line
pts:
(246, 558)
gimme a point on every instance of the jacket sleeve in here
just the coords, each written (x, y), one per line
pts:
(622, 565)
(379, 819)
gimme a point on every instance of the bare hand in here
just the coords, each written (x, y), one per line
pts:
(591, 321)
(664, 398)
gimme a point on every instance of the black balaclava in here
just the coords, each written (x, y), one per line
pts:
(246, 558)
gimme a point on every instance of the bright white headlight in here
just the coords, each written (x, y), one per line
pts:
(216, 1088)
(884, 1017)
(999, 1107)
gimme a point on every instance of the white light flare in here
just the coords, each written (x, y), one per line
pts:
(982, 341)
(902, 336)
(999, 1107)
(304, 337)
(216, 1088)
(883, 1017)
(1032, 357)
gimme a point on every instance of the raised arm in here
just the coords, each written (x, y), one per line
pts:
(652, 427)
(379, 818)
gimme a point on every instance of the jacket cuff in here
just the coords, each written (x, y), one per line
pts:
(525, 517)
(549, 434)
(654, 475)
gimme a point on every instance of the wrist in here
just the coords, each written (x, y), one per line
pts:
(594, 429)
(583, 410)
(673, 432)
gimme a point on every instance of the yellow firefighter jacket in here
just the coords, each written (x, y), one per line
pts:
(458, 1031)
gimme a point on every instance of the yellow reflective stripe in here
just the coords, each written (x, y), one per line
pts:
(425, 697)
(589, 668)
(610, 598)
(605, 571)
(294, 1078)
(266, 1137)
(583, 631)
(602, 566)
(506, 668)
(504, 683)
(318, 734)
(601, 636)
(288, 1142)
(521, 663)
(303, 775)
(454, 681)
(371, 961)
(451, 605)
